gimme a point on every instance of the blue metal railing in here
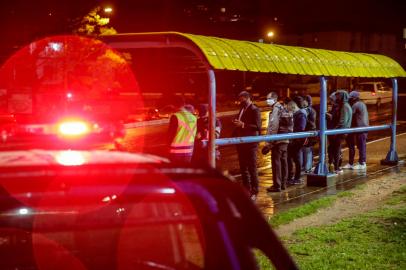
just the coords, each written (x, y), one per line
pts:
(321, 168)
(295, 135)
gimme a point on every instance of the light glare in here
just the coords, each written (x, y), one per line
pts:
(23, 211)
(70, 158)
(73, 128)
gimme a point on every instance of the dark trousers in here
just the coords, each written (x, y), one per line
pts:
(294, 159)
(247, 157)
(359, 139)
(180, 159)
(279, 160)
(336, 141)
(330, 151)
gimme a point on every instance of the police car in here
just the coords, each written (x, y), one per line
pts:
(116, 210)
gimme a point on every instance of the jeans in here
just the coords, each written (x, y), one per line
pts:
(279, 164)
(247, 157)
(307, 158)
(359, 139)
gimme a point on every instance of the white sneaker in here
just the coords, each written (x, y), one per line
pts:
(360, 167)
(339, 171)
(348, 166)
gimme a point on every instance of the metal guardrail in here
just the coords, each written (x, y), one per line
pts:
(295, 135)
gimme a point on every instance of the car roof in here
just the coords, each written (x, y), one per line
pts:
(22, 158)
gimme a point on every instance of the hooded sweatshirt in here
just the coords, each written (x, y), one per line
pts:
(311, 114)
(360, 114)
(344, 108)
(334, 112)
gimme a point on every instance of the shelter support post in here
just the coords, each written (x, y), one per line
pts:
(320, 176)
(392, 156)
(212, 119)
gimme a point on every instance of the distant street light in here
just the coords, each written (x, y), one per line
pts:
(108, 10)
(270, 34)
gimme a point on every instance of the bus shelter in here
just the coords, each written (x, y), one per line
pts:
(207, 54)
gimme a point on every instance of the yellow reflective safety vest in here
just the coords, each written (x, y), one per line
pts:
(185, 134)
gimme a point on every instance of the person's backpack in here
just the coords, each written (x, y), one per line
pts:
(285, 121)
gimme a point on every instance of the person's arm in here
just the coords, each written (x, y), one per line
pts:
(341, 120)
(273, 124)
(173, 127)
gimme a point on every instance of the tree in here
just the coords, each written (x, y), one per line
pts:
(93, 24)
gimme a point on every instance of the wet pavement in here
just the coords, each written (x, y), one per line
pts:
(153, 142)
(269, 203)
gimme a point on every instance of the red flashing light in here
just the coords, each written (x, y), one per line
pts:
(373, 93)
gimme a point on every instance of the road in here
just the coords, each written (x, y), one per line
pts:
(151, 139)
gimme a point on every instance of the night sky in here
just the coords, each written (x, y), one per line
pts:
(27, 20)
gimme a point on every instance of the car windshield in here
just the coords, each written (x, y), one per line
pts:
(365, 87)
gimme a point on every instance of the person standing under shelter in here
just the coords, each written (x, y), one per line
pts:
(295, 146)
(343, 121)
(359, 119)
(248, 123)
(311, 141)
(280, 121)
(181, 133)
(200, 153)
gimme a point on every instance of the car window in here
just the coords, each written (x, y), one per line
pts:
(365, 87)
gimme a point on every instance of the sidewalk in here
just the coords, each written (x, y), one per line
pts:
(297, 195)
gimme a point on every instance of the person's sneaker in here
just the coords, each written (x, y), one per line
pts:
(331, 168)
(253, 197)
(339, 171)
(348, 166)
(273, 189)
(290, 182)
(297, 182)
(360, 167)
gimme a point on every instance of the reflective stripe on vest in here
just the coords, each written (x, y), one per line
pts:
(185, 134)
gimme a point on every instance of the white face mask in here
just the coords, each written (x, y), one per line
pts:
(270, 101)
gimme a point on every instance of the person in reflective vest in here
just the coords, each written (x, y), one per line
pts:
(181, 133)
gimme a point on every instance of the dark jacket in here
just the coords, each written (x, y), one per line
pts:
(311, 114)
(251, 118)
(299, 120)
(200, 153)
(345, 111)
(299, 125)
(334, 114)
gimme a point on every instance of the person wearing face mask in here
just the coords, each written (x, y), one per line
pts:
(280, 121)
(248, 123)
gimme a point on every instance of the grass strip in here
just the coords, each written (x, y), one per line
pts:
(373, 240)
(305, 210)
